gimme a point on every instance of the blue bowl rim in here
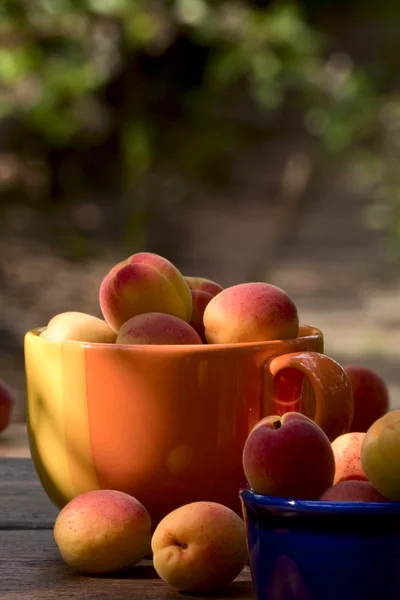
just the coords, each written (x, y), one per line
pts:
(317, 507)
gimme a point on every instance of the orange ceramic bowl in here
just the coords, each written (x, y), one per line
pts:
(166, 424)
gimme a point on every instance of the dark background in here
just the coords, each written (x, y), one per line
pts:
(242, 140)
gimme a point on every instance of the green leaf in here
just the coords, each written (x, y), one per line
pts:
(16, 63)
(140, 27)
(110, 7)
(191, 12)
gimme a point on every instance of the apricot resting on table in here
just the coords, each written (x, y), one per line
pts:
(6, 404)
(144, 283)
(380, 455)
(103, 531)
(157, 328)
(289, 456)
(200, 547)
(347, 451)
(78, 327)
(203, 290)
(352, 491)
(371, 396)
(250, 312)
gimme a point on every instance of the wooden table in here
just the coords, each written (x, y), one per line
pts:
(31, 567)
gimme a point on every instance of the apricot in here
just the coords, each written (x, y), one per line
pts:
(78, 327)
(250, 312)
(380, 455)
(347, 451)
(103, 531)
(371, 396)
(203, 290)
(200, 301)
(157, 328)
(204, 285)
(352, 491)
(288, 456)
(6, 404)
(200, 547)
(143, 283)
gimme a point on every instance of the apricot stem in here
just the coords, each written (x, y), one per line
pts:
(277, 424)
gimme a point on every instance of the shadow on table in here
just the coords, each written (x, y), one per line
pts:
(237, 589)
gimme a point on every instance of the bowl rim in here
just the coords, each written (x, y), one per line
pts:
(308, 332)
(317, 507)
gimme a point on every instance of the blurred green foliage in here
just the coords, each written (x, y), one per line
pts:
(167, 79)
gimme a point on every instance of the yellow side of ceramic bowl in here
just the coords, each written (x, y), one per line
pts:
(57, 417)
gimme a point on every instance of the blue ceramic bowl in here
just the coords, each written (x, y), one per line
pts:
(313, 550)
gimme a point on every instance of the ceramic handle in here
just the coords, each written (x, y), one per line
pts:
(333, 406)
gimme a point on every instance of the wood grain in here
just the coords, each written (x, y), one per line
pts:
(31, 568)
(17, 470)
(24, 504)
